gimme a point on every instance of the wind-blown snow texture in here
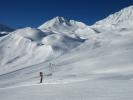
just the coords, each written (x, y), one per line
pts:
(68, 51)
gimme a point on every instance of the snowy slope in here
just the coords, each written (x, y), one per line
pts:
(121, 20)
(30, 46)
(67, 49)
(84, 90)
(79, 62)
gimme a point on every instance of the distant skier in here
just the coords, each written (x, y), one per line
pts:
(41, 77)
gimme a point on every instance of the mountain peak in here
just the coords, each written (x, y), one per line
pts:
(61, 25)
(121, 18)
(59, 19)
(55, 22)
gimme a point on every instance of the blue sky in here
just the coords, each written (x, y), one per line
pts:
(23, 13)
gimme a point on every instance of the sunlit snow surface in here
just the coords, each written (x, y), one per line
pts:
(79, 62)
(84, 90)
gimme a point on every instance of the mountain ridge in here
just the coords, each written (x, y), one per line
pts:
(120, 19)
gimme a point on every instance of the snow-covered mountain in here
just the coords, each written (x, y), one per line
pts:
(69, 49)
(120, 20)
(29, 46)
(4, 30)
(68, 27)
(61, 25)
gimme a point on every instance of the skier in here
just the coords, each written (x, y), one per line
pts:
(41, 75)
